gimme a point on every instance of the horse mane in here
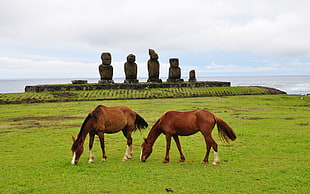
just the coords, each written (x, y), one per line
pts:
(155, 130)
(92, 114)
(83, 126)
(96, 111)
(164, 113)
(161, 118)
(78, 140)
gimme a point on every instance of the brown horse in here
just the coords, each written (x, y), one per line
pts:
(107, 120)
(173, 124)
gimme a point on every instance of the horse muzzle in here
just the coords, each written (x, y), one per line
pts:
(74, 160)
(143, 159)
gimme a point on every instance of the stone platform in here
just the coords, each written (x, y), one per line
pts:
(71, 87)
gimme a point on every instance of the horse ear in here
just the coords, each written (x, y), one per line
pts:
(73, 139)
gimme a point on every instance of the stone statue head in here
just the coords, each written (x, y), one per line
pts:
(174, 62)
(131, 58)
(153, 54)
(106, 58)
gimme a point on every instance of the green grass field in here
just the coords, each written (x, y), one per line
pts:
(271, 153)
(113, 94)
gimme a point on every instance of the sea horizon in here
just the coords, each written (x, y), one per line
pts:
(291, 84)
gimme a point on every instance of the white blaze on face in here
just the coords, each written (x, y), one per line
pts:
(73, 158)
(141, 155)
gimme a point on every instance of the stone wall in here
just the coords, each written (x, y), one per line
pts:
(71, 87)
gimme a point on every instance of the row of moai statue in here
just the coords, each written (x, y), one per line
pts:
(130, 68)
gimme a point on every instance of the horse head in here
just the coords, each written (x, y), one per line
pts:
(146, 150)
(77, 150)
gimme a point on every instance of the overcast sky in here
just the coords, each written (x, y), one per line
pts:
(64, 39)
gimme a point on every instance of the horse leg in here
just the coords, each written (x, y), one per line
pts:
(210, 143)
(206, 159)
(177, 141)
(216, 155)
(101, 138)
(91, 152)
(128, 153)
(168, 143)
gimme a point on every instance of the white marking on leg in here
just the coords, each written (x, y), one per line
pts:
(73, 158)
(216, 159)
(130, 151)
(127, 154)
(91, 156)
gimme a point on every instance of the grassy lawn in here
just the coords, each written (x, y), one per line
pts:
(117, 94)
(271, 153)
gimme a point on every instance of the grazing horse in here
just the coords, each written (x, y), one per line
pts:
(173, 124)
(107, 120)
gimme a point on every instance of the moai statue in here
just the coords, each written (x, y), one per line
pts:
(106, 69)
(130, 68)
(153, 67)
(192, 76)
(174, 71)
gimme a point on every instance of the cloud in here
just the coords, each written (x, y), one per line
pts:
(69, 34)
(23, 68)
(267, 67)
(264, 27)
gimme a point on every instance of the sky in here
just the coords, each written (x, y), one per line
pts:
(64, 39)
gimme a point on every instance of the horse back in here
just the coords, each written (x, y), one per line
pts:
(113, 119)
(179, 123)
(186, 123)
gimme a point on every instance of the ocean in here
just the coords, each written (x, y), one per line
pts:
(299, 85)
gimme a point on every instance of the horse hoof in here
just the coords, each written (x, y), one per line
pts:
(214, 163)
(203, 162)
(165, 161)
(103, 160)
(182, 160)
(90, 161)
(124, 159)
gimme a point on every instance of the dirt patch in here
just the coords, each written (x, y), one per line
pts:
(303, 124)
(289, 118)
(45, 118)
(6, 132)
(228, 146)
(38, 125)
(240, 109)
(235, 114)
(252, 118)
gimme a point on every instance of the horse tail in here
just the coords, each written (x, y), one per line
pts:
(140, 123)
(225, 131)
